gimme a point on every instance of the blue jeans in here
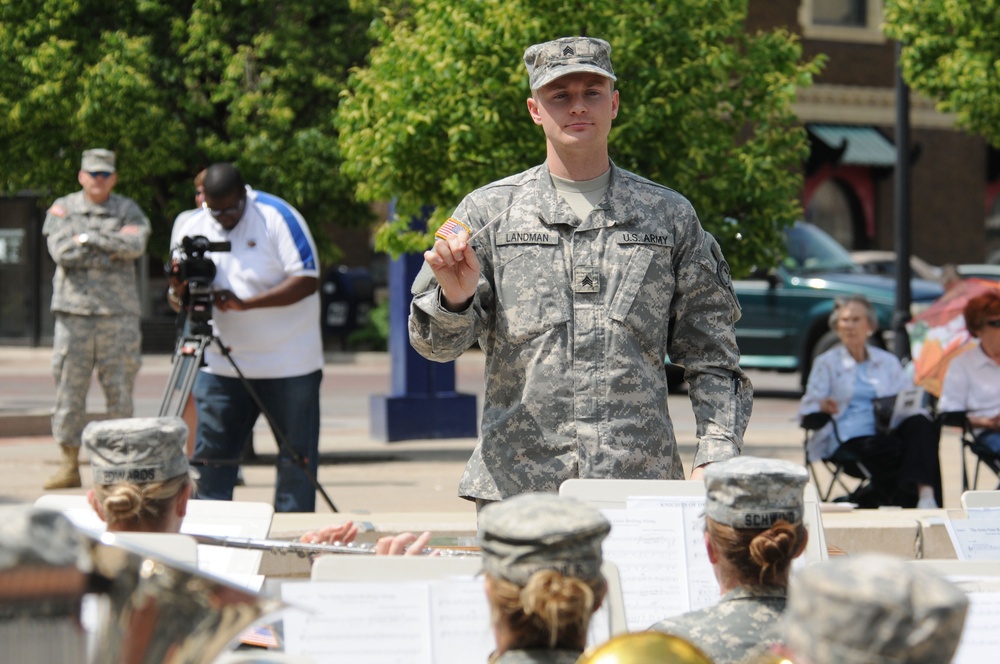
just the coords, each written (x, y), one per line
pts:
(226, 415)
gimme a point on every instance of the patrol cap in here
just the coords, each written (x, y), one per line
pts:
(139, 449)
(97, 160)
(538, 531)
(568, 55)
(751, 492)
(34, 537)
(873, 609)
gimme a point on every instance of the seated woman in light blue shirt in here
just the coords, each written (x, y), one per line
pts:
(843, 382)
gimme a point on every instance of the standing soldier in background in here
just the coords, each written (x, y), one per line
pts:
(94, 238)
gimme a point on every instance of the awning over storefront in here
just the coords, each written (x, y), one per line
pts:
(859, 146)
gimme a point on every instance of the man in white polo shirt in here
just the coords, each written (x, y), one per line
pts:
(266, 309)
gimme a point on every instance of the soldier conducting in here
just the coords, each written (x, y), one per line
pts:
(586, 277)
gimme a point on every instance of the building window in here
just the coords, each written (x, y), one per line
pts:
(842, 20)
(847, 13)
(835, 209)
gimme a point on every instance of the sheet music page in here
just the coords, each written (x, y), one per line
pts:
(980, 638)
(703, 588)
(983, 513)
(600, 627)
(648, 547)
(375, 623)
(975, 539)
(460, 621)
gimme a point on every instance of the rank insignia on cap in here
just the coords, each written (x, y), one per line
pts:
(451, 227)
(568, 51)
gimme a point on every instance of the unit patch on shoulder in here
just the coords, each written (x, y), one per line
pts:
(721, 266)
(724, 275)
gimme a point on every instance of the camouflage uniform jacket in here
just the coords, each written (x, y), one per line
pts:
(537, 657)
(740, 628)
(96, 278)
(575, 318)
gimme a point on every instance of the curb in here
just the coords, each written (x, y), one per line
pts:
(32, 423)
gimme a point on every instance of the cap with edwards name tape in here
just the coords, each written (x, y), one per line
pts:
(139, 449)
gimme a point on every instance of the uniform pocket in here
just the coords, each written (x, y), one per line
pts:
(642, 302)
(532, 291)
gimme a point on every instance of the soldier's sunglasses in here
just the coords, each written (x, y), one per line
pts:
(100, 174)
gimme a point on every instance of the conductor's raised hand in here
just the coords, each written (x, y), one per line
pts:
(456, 269)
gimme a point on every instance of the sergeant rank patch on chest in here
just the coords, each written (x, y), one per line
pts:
(586, 279)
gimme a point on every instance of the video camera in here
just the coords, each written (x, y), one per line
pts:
(198, 272)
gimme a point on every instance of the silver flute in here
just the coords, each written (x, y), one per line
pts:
(302, 549)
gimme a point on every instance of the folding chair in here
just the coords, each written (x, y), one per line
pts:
(984, 455)
(843, 462)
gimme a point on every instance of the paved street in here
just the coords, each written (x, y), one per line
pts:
(360, 474)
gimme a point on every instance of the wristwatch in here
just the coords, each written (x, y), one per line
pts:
(83, 238)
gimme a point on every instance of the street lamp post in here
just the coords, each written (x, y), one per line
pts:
(901, 316)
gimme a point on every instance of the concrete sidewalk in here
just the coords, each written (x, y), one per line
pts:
(359, 473)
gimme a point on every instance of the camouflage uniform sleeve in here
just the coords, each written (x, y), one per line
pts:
(703, 341)
(435, 332)
(59, 231)
(130, 245)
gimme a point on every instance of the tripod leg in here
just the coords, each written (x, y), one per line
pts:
(186, 363)
(278, 431)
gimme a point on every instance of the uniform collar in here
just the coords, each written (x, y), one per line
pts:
(613, 210)
(755, 592)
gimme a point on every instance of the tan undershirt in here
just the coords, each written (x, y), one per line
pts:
(582, 196)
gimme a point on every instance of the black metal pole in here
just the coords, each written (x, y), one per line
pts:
(901, 316)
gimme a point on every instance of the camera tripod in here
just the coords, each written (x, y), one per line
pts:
(187, 361)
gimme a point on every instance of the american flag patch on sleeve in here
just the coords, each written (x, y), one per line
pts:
(451, 227)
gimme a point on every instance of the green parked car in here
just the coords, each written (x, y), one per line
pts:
(785, 310)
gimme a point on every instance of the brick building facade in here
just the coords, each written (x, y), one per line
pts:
(850, 114)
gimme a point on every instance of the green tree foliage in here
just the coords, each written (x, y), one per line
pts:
(174, 85)
(951, 52)
(439, 109)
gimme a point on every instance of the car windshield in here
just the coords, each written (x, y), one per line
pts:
(810, 251)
